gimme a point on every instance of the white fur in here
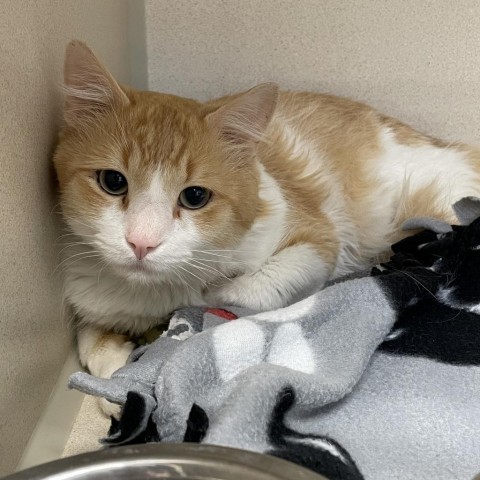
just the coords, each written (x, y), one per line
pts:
(404, 169)
(300, 148)
(265, 235)
(282, 279)
(334, 207)
(107, 285)
(423, 164)
(102, 362)
(400, 171)
(270, 280)
(150, 215)
(94, 93)
(107, 300)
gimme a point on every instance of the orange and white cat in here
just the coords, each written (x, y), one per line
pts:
(250, 199)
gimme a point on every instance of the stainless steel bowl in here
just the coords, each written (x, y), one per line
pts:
(168, 461)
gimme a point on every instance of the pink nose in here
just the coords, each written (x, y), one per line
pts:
(141, 247)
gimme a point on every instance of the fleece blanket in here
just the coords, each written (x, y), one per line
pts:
(374, 378)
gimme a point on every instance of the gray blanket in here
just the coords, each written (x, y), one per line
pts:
(375, 377)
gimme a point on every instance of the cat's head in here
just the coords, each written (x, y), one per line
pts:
(150, 179)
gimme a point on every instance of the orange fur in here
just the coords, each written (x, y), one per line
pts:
(157, 131)
(144, 131)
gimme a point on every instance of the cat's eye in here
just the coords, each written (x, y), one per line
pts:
(194, 197)
(112, 182)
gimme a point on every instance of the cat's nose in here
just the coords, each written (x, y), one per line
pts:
(142, 246)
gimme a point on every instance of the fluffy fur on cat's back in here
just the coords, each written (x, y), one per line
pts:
(300, 187)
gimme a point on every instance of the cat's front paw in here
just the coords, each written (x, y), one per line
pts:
(246, 291)
(108, 358)
(109, 409)
(105, 361)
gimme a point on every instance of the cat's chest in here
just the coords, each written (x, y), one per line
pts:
(113, 302)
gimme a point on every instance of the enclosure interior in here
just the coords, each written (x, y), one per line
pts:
(418, 61)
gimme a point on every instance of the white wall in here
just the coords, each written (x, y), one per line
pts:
(33, 335)
(417, 60)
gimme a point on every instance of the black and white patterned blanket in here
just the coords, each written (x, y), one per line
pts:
(371, 378)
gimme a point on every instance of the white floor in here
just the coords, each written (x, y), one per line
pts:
(70, 424)
(90, 425)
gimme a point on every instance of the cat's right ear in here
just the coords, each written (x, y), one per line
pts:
(89, 86)
(245, 118)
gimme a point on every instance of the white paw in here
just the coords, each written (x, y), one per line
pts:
(222, 295)
(246, 291)
(108, 358)
(109, 409)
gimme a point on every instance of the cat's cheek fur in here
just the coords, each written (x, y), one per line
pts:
(279, 282)
(110, 228)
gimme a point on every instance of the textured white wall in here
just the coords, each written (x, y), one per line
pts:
(416, 60)
(33, 336)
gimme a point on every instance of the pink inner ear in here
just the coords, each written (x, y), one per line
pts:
(89, 86)
(245, 118)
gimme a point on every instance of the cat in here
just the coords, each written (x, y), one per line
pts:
(250, 199)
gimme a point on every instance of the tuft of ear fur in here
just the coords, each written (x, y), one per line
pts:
(89, 87)
(245, 118)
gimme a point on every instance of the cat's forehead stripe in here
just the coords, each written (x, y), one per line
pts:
(164, 147)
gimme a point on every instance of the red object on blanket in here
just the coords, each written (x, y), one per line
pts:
(220, 312)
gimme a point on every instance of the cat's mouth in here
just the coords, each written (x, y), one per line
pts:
(147, 270)
(139, 267)
(137, 270)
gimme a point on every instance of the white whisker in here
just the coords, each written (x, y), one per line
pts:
(184, 280)
(82, 255)
(226, 262)
(209, 267)
(105, 263)
(191, 273)
(73, 244)
(74, 235)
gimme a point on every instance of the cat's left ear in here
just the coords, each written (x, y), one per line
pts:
(90, 88)
(245, 118)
